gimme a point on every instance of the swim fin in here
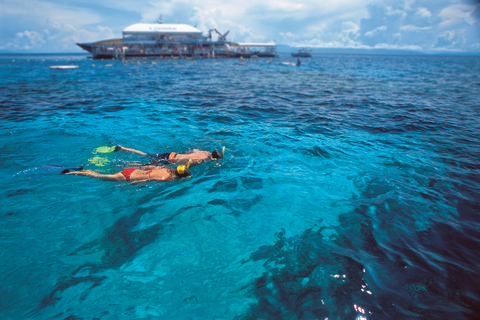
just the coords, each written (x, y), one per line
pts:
(71, 169)
(99, 161)
(105, 149)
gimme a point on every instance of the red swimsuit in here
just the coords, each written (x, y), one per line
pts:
(128, 172)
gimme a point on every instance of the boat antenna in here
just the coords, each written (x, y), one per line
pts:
(160, 19)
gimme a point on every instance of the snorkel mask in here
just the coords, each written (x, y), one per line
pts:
(217, 155)
(184, 171)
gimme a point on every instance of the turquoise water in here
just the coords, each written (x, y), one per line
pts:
(349, 189)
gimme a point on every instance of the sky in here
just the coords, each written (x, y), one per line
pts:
(428, 26)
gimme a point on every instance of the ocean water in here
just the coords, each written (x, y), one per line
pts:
(350, 189)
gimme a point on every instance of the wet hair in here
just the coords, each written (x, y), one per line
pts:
(217, 154)
(186, 172)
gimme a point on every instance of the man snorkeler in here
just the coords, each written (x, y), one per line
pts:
(196, 156)
(141, 174)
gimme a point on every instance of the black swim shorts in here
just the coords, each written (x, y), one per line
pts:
(163, 158)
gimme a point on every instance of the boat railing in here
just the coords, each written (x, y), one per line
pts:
(158, 39)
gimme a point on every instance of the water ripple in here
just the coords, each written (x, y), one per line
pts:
(349, 188)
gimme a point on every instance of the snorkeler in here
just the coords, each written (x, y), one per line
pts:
(196, 156)
(141, 174)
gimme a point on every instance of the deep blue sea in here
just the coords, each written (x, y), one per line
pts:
(350, 189)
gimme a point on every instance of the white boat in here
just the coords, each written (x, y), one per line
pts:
(302, 53)
(158, 40)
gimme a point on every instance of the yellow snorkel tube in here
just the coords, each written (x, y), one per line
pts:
(223, 151)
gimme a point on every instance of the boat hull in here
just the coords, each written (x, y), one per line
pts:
(113, 54)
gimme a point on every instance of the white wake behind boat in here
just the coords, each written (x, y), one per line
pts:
(64, 67)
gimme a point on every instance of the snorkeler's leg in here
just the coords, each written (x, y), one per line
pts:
(107, 177)
(120, 148)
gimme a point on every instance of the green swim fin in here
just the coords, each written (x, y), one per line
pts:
(99, 161)
(104, 149)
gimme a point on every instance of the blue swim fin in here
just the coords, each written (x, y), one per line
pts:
(71, 169)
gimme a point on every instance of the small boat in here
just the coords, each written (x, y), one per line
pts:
(302, 53)
(64, 67)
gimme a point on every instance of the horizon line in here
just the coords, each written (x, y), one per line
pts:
(365, 51)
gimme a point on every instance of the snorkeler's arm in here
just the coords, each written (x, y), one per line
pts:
(93, 174)
(120, 148)
(85, 173)
(183, 162)
(193, 162)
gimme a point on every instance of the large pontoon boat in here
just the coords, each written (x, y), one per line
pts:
(158, 40)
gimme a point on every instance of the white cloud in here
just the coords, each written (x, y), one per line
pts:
(449, 35)
(457, 14)
(317, 29)
(408, 5)
(398, 47)
(423, 12)
(350, 27)
(27, 40)
(318, 43)
(413, 28)
(56, 37)
(283, 5)
(43, 10)
(288, 34)
(448, 40)
(394, 12)
(375, 31)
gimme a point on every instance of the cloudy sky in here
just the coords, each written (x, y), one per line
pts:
(420, 25)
